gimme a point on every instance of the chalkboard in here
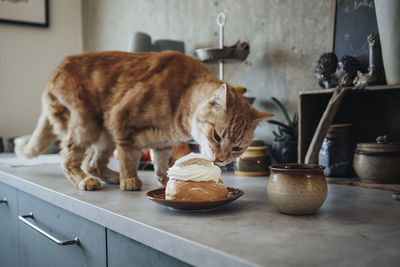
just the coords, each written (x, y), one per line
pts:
(354, 20)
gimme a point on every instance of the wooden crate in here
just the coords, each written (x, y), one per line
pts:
(373, 111)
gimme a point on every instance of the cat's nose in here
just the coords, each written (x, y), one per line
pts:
(218, 159)
(221, 162)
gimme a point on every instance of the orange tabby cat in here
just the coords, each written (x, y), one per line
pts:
(133, 101)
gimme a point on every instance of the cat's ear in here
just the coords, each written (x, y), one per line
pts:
(260, 116)
(220, 98)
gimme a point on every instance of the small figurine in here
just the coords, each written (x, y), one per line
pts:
(347, 70)
(325, 69)
(330, 72)
(382, 139)
(375, 68)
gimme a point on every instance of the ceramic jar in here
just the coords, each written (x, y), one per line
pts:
(254, 161)
(297, 189)
(378, 162)
(285, 151)
(337, 151)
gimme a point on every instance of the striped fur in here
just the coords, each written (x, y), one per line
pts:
(102, 100)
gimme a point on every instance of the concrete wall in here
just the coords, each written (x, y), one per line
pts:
(27, 57)
(286, 38)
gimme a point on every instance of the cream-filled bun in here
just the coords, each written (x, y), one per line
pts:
(195, 178)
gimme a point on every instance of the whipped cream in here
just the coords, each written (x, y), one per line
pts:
(194, 172)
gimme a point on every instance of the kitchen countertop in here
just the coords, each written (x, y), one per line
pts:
(355, 226)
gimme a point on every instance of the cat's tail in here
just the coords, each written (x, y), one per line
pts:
(42, 137)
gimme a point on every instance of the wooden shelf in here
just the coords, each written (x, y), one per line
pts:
(357, 182)
(367, 88)
(373, 111)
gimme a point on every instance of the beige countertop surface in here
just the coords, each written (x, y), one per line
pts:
(355, 226)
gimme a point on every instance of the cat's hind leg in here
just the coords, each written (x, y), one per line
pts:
(97, 158)
(161, 164)
(72, 154)
(83, 130)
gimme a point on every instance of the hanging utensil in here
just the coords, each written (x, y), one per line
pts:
(221, 19)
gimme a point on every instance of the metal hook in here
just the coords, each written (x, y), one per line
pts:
(221, 19)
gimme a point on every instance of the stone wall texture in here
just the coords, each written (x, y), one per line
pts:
(286, 38)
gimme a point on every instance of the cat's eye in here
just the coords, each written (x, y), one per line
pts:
(236, 148)
(217, 137)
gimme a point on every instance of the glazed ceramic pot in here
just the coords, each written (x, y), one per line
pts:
(254, 161)
(297, 189)
(377, 162)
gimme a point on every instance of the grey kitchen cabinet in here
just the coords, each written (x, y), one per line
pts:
(8, 226)
(22, 245)
(38, 250)
(124, 252)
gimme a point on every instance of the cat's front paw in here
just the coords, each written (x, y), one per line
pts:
(162, 180)
(130, 184)
(89, 184)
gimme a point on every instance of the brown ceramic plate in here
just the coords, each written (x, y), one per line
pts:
(158, 195)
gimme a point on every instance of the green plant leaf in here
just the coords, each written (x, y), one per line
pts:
(281, 132)
(295, 118)
(285, 131)
(280, 136)
(277, 136)
(283, 110)
(278, 123)
(289, 133)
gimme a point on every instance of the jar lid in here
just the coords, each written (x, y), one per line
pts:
(382, 145)
(257, 142)
(256, 148)
(297, 167)
(339, 130)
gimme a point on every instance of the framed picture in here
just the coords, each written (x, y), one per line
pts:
(26, 12)
(351, 22)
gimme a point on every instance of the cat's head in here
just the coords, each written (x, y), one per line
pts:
(224, 125)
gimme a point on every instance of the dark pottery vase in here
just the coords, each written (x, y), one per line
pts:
(285, 151)
(337, 151)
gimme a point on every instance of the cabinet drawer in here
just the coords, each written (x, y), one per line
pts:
(8, 226)
(123, 251)
(38, 250)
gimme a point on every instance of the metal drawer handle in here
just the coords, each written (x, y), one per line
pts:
(74, 241)
(4, 200)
